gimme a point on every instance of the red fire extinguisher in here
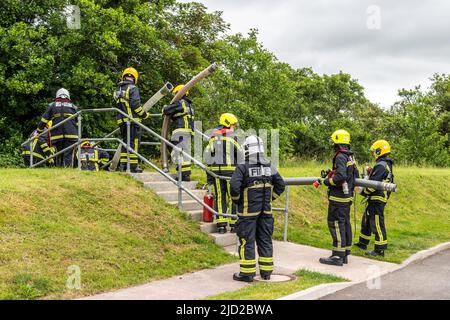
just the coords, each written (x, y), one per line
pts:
(207, 214)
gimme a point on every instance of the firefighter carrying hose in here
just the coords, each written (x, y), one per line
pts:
(40, 147)
(373, 218)
(254, 184)
(340, 182)
(128, 100)
(66, 134)
(181, 113)
(92, 158)
(222, 154)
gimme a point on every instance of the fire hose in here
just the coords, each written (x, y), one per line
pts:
(378, 185)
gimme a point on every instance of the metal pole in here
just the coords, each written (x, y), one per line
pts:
(286, 214)
(128, 145)
(180, 178)
(79, 142)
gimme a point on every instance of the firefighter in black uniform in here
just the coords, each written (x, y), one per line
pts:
(128, 100)
(340, 182)
(254, 185)
(181, 114)
(93, 158)
(222, 154)
(373, 218)
(40, 148)
(66, 134)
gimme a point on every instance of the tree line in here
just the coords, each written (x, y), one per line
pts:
(170, 41)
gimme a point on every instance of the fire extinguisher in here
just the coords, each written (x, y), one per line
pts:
(209, 200)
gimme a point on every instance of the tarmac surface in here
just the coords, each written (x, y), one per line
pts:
(428, 279)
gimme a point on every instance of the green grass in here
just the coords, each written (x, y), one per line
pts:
(417, 216)
(270, 291)
(118, 233)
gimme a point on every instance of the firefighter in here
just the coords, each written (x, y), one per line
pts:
(181, 114)
(128, 100)
(65, 135)
(93, 158)
(340, 182)
(253, 186)
(41, 149)
(373, 218)
(222, 154)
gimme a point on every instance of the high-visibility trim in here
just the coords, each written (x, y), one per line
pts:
(57, 137)
(236, 197)
(338, 249)
(343, 200)
(71, 136)
(247, 262)
(380, 243)
(44, 120)
(331, 182)
(265, 268)
(378, 198)
(223, 168)
(242, 249)
(364, 236)
(265, 259)
(338, 234)
(378, 227)
(349, 163)
(247, 270)
(275, 195)
(37, 155)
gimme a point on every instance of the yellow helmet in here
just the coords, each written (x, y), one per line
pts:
(341, 137)
(380, 148)
(228, 119)
(131, 72)
(178, 88)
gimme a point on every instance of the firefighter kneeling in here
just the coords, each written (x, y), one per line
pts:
(92, 158)
(254, 185)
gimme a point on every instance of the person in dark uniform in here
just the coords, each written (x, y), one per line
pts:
(222, 154)
(373, 218)
(128, 100)
(40, 148)
(181, 114)
(65, 135)
(93, 158)
(340, 182)
(253, 186)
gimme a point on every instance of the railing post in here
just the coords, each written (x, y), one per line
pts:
(180, 180)
(128, 145)
(79, 142)
(286, 214)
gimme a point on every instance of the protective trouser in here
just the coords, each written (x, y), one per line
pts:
(182, 139)
(340, 228)
(373, 222)
(135, 141)
(65, 159)
(257, 228)
(222, 201)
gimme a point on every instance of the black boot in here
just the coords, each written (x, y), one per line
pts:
(361, 245)
(232, 229)
(375, 253)
(238, 277)
(345, 260)
(222, 230)
(332, 260)
(265, 277)
(136, 169)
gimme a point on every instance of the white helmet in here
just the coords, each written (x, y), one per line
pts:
(63, 93)
(253, 145)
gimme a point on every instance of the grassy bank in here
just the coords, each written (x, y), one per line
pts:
(118, 234)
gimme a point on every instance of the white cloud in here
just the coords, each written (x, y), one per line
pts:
(327, 35)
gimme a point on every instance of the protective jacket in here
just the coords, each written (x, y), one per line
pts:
(254, 185)
(58, 111)
(41, 150)
(382, 171)
(182, 115)
(223, 152)
(92, 159)
(344, 170)
(128, 100)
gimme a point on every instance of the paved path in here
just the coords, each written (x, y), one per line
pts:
(428, 279)
(289, 257)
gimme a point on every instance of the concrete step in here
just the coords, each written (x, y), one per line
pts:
(168, 186)
(149, 176)
(196, 215)
(208, 227)
(173, 195)
(225, 239)
(188, 205)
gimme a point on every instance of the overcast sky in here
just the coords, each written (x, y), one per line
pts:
(385, 44)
